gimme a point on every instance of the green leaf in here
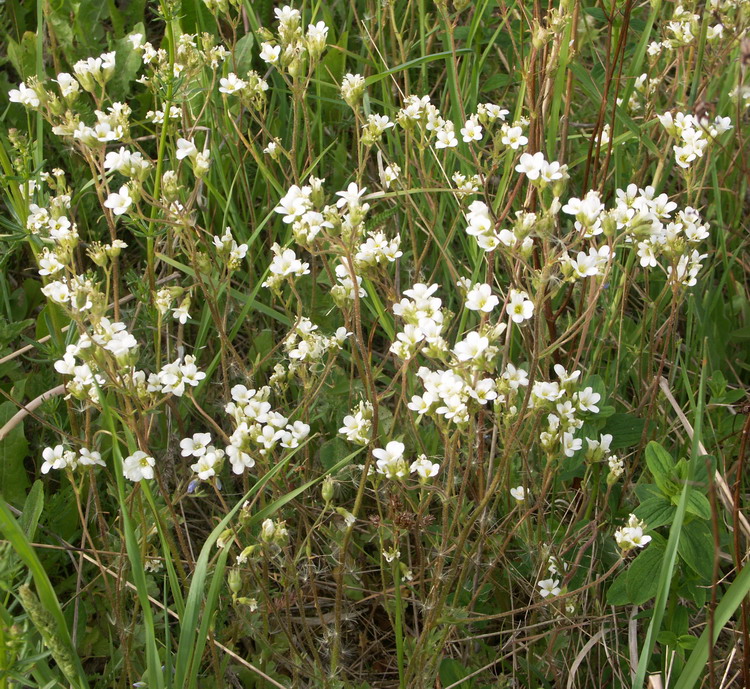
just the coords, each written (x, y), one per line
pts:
(243, 54)
(23, 55)
(643, 573)
(128, 63)
(332, 451)
(626, 430)
(32, 509)
(687, 641)
(696, 548)
(662, 467)
(10, 331)
(451, 671)
(617, 594)
(13, 451)
(698, 505)
(656, 512)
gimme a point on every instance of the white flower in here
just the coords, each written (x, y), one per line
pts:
(631, 535)
(587, 400)
(195, 446)
(89, 458)
(231, 84)
(480, 298)
(472, 130)
(446, 137)
(513, 137)
(56, 458)
(516, 377)
(570, 444)
(531, 165)
(205, 467)
(390, 460)
(471, 347)
(520, 308)
(391, 555)
(186, 149)
(181, 313)
(67, 83)
(138, 466)
(119, 202)
(424, 468)
(518, 493)
(549, 587)
(49, 263)
(57, 291)
(350, 197)
(24, 95)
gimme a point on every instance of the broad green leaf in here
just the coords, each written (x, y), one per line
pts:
(698, 505)
(626, 430)
(696, 548)
(451, 672)
(662, 467)
(617, 594)
(642, 582)
(32, 509)
(13, 451)
(243, 54)
(656, 512)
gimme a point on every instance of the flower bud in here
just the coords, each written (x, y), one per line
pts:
(327, 490)
(234, 580)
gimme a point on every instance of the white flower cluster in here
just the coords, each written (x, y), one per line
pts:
(453, 394)
(95, 371)
(482, 227)
(376, 250)
(567, 404)
(311, 222)
(357, 426)
(128, 164)
(421, 115)
(693, 134)
(112, 125)
(228, 250)
(59, 458)
(93, 73)
(28, 96)
(632, 535)
(257, 429)
(291, 48)
(466, 186)
(305, 344)
(423, 318)
(174, 377)
(208, 458)
(390, 462)
(644, 220)
(285, 265)
(190, 58)
(252, 89)
(374, 127)
(540, 172)
(343, 292)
